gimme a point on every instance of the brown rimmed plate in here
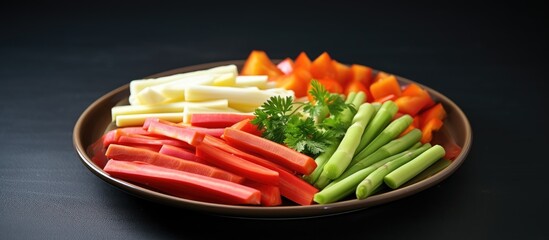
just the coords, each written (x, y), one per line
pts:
(96, 120)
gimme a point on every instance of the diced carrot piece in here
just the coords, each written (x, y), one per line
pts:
(437, 111)
(323, 67)
(344, 73)
(362, 74)
(411, 105)
(356, 86)
(427, 130)
(414, 99)
(380, 75)
(297, 81)
(302, 61)
(259, 63)
(385, 87)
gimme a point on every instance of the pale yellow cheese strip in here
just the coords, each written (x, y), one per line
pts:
(139, 84)
(165, 108)
(139, 119)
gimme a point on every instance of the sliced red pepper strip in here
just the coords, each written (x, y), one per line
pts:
(217, 120)
(127, 153)
(183, 184)
(273, 151)
(291, 186)
(237, 165)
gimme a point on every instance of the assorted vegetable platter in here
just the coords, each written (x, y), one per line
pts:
(297, 132)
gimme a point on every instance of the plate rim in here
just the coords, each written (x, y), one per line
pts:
(275, 212)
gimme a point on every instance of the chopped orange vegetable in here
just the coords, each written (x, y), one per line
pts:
(380, 75)
(411, 104)
(298, 81)
(356, 86)
(385, 87)
(436, 111)
(344, 73)
(258, 63)
(323, 66)
(415, 99)
(427, 130)
(362, 74)
(302, 61)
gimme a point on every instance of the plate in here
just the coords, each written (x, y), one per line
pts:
(96, 120)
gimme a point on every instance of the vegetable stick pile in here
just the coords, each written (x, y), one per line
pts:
(299, 132)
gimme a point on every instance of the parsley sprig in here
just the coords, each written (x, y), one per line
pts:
(307, 127)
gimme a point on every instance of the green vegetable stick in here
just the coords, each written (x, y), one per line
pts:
(391, 148)
(378, 164)
(337, 190)
(342, 188)
(376, 105)
(382, 118)
(347, 115)
(341, 158)
(412, 168)
(322, 181)
(390, 132)
(350, 97)
(367, 186)
(320, 162)
(359, 99)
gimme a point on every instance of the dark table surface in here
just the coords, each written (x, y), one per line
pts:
(56, 59)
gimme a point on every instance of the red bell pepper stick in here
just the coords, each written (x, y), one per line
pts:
(181, 133)
(126, 153)
(217, 120)
(181, 153)
(273, 151)
(270, 194)
(183, 184)
(237, 165)
(291, 186)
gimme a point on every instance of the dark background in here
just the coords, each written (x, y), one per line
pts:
(57, 58)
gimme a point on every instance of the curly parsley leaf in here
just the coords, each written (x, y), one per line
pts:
(273, 117)
(309, 130)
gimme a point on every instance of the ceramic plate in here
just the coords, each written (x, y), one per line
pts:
(96, 120)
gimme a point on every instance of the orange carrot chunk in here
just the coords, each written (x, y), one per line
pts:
(385, 87)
